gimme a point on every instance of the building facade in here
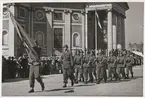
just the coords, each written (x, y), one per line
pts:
(79, 25)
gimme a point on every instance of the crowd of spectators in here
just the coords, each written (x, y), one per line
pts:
(19, 68)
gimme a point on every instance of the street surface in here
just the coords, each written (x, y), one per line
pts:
(54, 83)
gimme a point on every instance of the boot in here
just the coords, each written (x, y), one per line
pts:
(65, 85)
(98, 82)
(72, 83)
(132, 75)
(85, 82)
(43, 87)
(31, 91)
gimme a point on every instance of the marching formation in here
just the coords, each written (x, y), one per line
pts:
(93, 68)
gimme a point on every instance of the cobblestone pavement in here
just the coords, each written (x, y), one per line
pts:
(53, 87)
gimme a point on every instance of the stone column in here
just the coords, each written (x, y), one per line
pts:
(109, 28)
(86, 30)
(67, 32)
(96, 24)
(50, 41)
(124, 33)
(114, 31)
(12, 40)
(83, 30)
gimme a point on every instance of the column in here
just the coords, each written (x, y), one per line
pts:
(124, 43)
(109, 27)
(96, 30)
(86, 29)
(50, 40)
(12, 42)
(83, 30)
(67, 32)
(114, 30)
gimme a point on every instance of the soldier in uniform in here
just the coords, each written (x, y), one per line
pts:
(35, 69)
(120, 66)
(92, 67)
(129, 64)
(86, 66)
(67, 65)
(101, 68)
(77, 65)
(111, 65)
(81, 78)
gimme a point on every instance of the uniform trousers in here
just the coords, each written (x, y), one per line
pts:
(101, 74)
(77, 72)
(34, 74)
(129, 68)
(111, 71)
(68, 73)
(120, 71)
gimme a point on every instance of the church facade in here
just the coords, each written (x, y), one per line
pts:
(92, 26)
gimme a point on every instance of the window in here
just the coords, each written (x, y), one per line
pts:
(39, 15)
(39, 38)
(5, 11)
(22, 12)
(76, 16)
(58, 16)
(58, 41)
(76, 40)
(4, 37)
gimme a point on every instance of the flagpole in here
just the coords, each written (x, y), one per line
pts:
(28, 44)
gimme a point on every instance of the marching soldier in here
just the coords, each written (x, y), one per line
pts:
(77, 65)
(92, 67)
(67, 65)
(129, 64)
(81, 78)
(101, 68)
(86, 66)
(120, 66)
(35, 70)
(111, 65)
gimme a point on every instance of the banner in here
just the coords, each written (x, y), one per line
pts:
(98, 19)
(28, 44)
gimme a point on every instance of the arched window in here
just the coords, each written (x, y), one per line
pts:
(76, 40)
(39, 38)
(5, 37)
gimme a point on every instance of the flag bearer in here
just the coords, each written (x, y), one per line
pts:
(34, 70)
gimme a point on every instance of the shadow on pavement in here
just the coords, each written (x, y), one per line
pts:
(14, 80)
(136, 77)
(84, 85)
(59, 89)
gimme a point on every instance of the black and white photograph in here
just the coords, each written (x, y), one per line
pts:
(72, 49)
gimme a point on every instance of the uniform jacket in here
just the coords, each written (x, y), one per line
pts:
(111, 61)
(78, 60)
(101, 61)
(92, 61)
(129, 61)
(86, 60)
(66, 59)
(120, 62)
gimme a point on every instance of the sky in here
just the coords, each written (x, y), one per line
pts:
(134, 23)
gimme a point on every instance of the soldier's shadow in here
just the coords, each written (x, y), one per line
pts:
(61, 89)
(79, 85)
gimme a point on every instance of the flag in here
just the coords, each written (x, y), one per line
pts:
(27, 43)
(98, 19)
